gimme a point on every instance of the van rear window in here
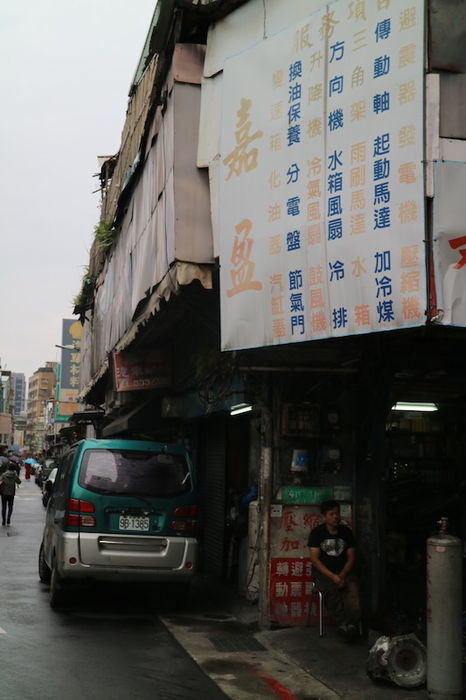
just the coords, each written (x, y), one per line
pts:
(126, 472)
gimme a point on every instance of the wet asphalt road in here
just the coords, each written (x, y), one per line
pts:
(109, 644)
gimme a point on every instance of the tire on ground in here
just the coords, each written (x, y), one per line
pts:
(44, 569)
(58, 589)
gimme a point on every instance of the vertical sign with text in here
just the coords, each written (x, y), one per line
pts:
(321, 186)
(290, 581)
(68, 389)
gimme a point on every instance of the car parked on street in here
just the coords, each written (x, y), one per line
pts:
(42, 472)
(47, 486)
(120, 510)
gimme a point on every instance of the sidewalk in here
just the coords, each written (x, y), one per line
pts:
(335, 663)
(333, 668)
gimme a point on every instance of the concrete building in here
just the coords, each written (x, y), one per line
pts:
(18, 382)
(277, 235)
(6, 408)
(19, 429)
(41, 392)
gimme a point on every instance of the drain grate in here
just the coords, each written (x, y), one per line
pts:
(235, 642)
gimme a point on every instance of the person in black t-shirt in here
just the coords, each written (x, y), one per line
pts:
(333, 557)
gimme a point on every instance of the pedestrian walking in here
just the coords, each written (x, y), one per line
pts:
(15, 463)
(8, 481)
(28, 467)
(3, 460)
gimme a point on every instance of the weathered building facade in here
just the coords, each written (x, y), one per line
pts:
(278, 235)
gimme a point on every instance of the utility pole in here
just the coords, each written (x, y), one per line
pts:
(265, 499)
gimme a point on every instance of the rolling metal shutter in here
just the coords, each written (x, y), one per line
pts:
(213, 496)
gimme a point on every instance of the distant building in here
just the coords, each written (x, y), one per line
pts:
(6, 407)
(18, 382)
(41, 392)
(19, 429)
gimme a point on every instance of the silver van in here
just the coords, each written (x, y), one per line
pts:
(120, 510)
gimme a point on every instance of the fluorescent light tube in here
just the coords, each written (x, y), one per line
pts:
(414, 406)
(240, 408)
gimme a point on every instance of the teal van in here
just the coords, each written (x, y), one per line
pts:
(120, 510)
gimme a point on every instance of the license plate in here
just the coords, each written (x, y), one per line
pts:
(132, 522)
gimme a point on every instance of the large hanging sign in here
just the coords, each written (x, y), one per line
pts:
(321, 187)
(68, 375)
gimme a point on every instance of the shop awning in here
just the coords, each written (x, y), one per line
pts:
(137, 418)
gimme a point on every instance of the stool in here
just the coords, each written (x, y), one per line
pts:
(315, 592)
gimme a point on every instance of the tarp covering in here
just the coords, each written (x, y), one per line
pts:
(136, 116)
(165, 239)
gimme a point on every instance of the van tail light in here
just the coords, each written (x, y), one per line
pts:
(184, 525)
(72, 520)
(86, 507)
(80, 517)
(188, 523)
(186, 512)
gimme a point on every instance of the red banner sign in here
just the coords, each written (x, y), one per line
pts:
(133, 371)
(290, 584)
(290, 591)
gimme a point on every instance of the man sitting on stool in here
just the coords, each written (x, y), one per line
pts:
(333, 557)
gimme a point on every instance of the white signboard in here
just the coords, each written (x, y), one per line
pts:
(321, 188)
(449, 247)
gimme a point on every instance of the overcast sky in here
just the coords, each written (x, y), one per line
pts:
(66, 68)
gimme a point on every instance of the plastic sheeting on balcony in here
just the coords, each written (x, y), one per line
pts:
(165, 239)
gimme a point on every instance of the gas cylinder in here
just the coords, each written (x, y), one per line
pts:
(444, 615)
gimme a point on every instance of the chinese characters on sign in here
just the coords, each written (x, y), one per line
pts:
(290, 591)
(290, 567)
(68, 388)
(141, 370)
(321, 195)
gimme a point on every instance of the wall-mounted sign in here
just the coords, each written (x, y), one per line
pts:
(321, 185)
(70, 367)
(133, 371)
(290, 583)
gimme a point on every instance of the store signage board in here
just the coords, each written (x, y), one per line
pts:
(321, 187)
(69, 376)
(290, 580)
(133, 371)
(70, 359)
(449, 242)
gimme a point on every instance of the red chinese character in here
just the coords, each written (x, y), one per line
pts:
(289, 544)
(281, 567)
(289, 522)
(311, 520)
(456, 243)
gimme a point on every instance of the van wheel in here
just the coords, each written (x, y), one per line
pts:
(57, 593)
(44, 570)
